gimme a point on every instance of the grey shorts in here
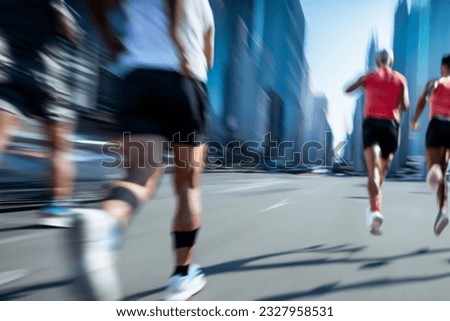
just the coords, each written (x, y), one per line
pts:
(34, 85)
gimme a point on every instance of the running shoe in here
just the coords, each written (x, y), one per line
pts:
(56, 216)
(95, 241)
(374, 219)
(181, 288)
(440, 223)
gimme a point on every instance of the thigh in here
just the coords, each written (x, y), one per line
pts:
(437, 155)
(369, 133)
(388, 133)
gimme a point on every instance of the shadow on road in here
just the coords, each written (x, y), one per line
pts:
(18, 293)
(335, 287)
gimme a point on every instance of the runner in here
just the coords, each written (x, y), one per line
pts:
(386, 93)
(437, 138)
(164, 100)
(28, 57)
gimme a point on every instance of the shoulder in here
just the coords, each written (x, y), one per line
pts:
(400, 76)
(431, 86)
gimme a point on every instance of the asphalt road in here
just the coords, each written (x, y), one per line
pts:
(264, 237)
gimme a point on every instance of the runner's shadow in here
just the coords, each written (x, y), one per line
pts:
(140, 295)
(28, 227)
(243, 265)
(336, 287)
(365, 262)
(238, 265)
(18, 293)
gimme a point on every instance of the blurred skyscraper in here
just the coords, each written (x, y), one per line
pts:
(261, 83)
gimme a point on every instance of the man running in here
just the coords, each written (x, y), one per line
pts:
(437, 138)
(162, 102)
(28, 57)
(386, 93)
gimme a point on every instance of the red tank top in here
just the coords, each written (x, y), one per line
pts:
(440, 100)
(384, 88)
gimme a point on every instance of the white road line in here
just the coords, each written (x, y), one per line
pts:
(13, 275)
(247, 187)
(277, 205)
(21, 238)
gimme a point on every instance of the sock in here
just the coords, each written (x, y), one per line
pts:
(181, 270)
(375, 207)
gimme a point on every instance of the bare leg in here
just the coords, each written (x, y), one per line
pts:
(374, 176)
(8, 123)
(376, 172)
(101, 232)
(143, 160)
(437, 162)
(189, 163)
(63, 170)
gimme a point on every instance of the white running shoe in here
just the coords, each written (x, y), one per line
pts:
(56, 216)
(374, 219)
(181, 288)
(434, 178)
(440, 223)
(96, 238)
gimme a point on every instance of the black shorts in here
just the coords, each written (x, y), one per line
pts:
(438, 133)
(32, 85)
(381, 132)
(164, 103)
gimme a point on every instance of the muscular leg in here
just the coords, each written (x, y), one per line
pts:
(374, 175)
(63, 170)
(437, 162)
(189, 162)
(385, 164)
(143, 161)
(100, 233)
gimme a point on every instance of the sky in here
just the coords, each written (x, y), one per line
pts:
(338, 35)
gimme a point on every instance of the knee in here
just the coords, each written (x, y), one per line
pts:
(435, 175)
(188, 178)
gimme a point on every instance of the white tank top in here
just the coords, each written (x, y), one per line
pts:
(147, 38)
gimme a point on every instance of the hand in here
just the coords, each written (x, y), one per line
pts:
(185, 70)
(414, 125)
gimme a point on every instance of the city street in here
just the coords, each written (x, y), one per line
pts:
(264, 237)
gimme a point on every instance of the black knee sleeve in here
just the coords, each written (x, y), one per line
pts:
(184, 239)
(124, 194)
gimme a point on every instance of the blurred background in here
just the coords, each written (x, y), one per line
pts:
(280, 67)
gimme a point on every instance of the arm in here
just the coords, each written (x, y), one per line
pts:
(421, 103)
(98, 10)
(404, 99)
(358, 83)
(209, 47)
(176, 17)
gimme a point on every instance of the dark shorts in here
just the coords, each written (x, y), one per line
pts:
(33, 85)
(164, 103)
(381, 132)
(438, 133)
